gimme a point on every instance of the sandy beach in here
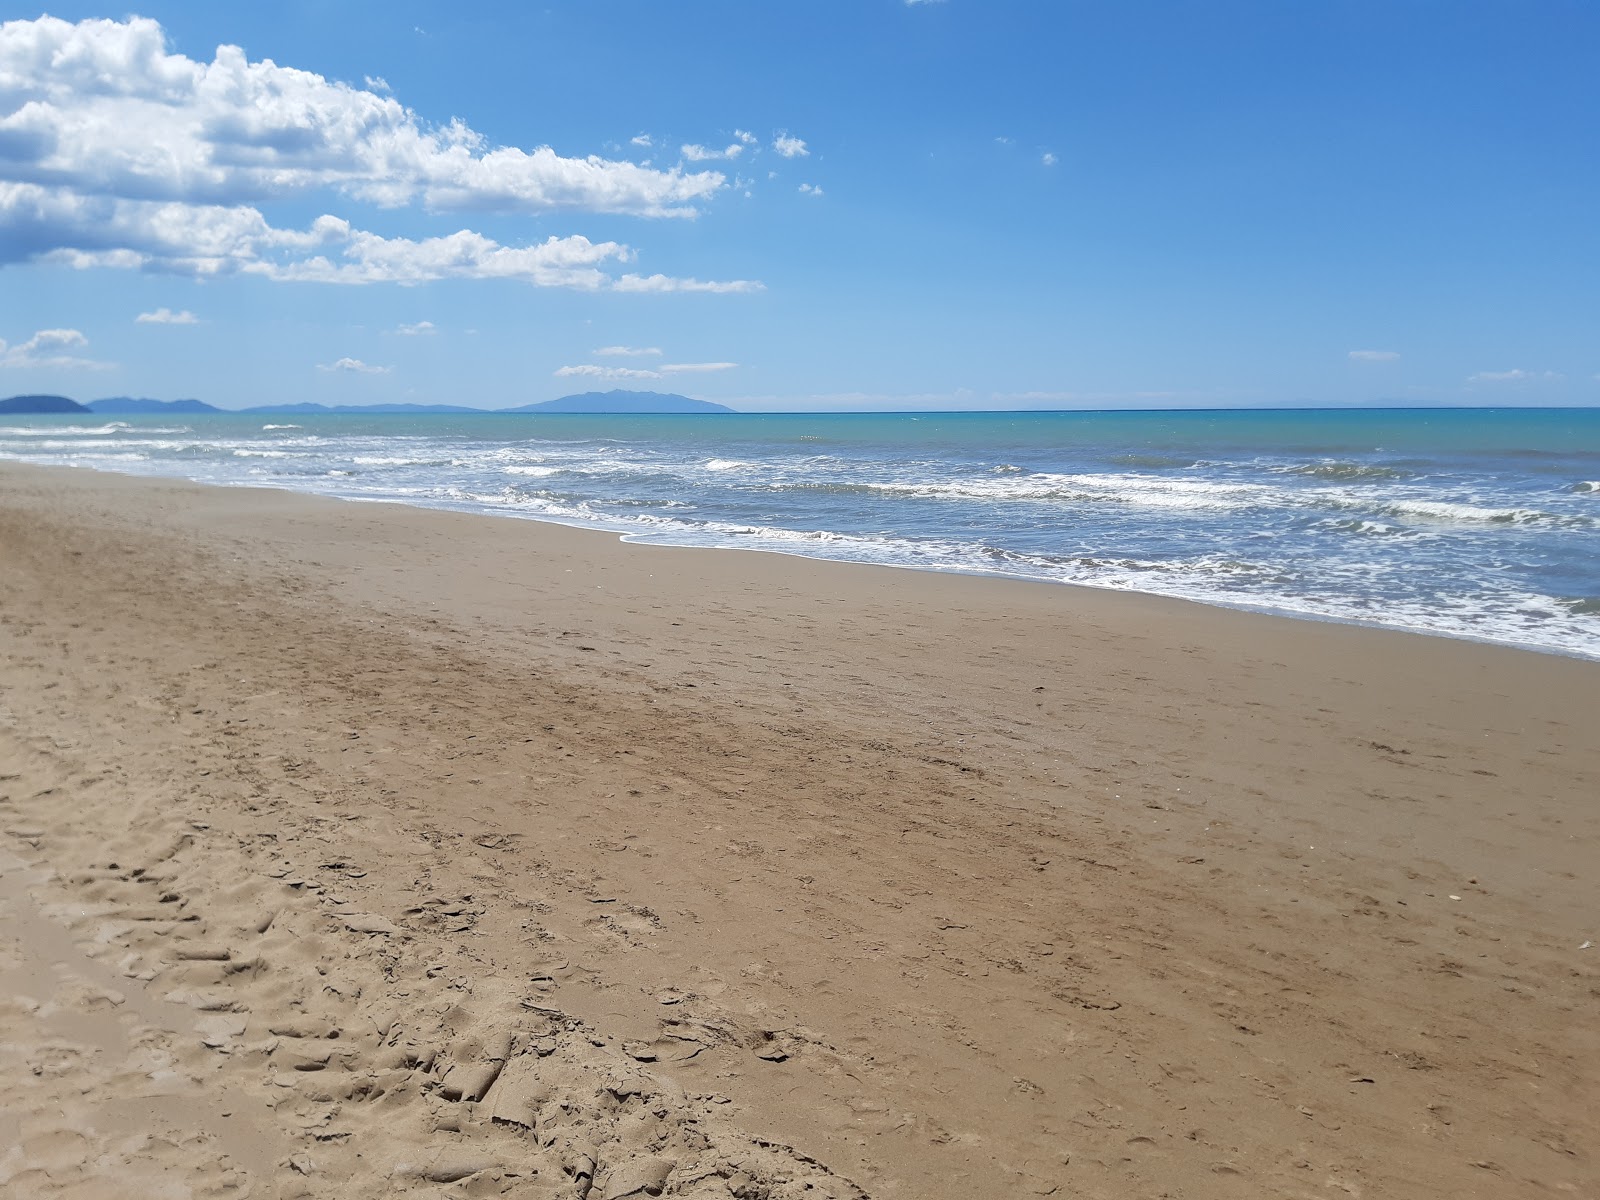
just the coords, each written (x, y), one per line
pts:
(351, 850)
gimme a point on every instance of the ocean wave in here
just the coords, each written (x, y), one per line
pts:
(111, 427)
(1335, 469)
(1143, 491)
(1586, 486)
(1455, 513)
(730, 464)
(283, 427)
(1364, 527)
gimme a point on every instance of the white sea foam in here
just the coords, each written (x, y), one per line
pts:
(283, 427)
(1144, 491)
(106, 430)
(1449, 511)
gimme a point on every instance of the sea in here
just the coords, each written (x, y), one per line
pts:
(1468, 523)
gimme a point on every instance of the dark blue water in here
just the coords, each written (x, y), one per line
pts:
(1473, 523)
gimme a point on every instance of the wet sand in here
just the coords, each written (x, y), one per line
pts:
(353, 850)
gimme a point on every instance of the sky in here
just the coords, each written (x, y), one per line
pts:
(804, 204)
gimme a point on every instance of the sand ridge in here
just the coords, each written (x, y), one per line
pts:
(1011, 914)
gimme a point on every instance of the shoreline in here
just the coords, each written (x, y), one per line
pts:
(627, 537)
(956, 887)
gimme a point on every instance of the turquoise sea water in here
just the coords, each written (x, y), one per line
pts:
(1467, 522)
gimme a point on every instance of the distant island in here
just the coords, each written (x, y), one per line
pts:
(41, 404)
(127, 404)
(597, 403)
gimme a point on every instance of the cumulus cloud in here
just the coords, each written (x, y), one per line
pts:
(745, 136)
(165, 316)
(353, 364)
(1374, 355)
(1516, 375)
(233, 131)
(697, 153)
(628, 351)
(44, 349)
(642, 139)
(1048, 159)
(696, 368)
(790, 147)
(594, 371)
(203, 241)
(418, 329)
(115, 152)
(810, 189)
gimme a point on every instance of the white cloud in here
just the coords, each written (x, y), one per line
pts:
(1048, 159)
(233, 131)
(44, 348)
(592, 371)
(665, 283)
(642, 139)
(1374, 355)
(377, 83)
(203, 241)
(419, 329)
(165, 316)
(355, 365)
(810, 189)
(1516, 375)
(745, 136)
(914, 3)
(697, 153)
(790, 147)
(628, 351)
(696, 368)
(117, 153)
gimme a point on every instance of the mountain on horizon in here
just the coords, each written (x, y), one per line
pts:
(41, 404)
(619, 401)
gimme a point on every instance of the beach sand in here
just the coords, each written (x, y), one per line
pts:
(353, 850)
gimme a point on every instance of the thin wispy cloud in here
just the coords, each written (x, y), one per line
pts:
(810, 189)
(1516, 375)
(1048, 159)
(165, 316)
(418, 329)
(47, 348)
(704, 368)
(354, 366)
(628, 352)
(666, 283)
(1374, 356)
(596, 371)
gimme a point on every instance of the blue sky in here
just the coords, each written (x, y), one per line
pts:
(829, 204)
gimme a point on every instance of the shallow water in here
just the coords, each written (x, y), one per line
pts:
(1467, 522)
